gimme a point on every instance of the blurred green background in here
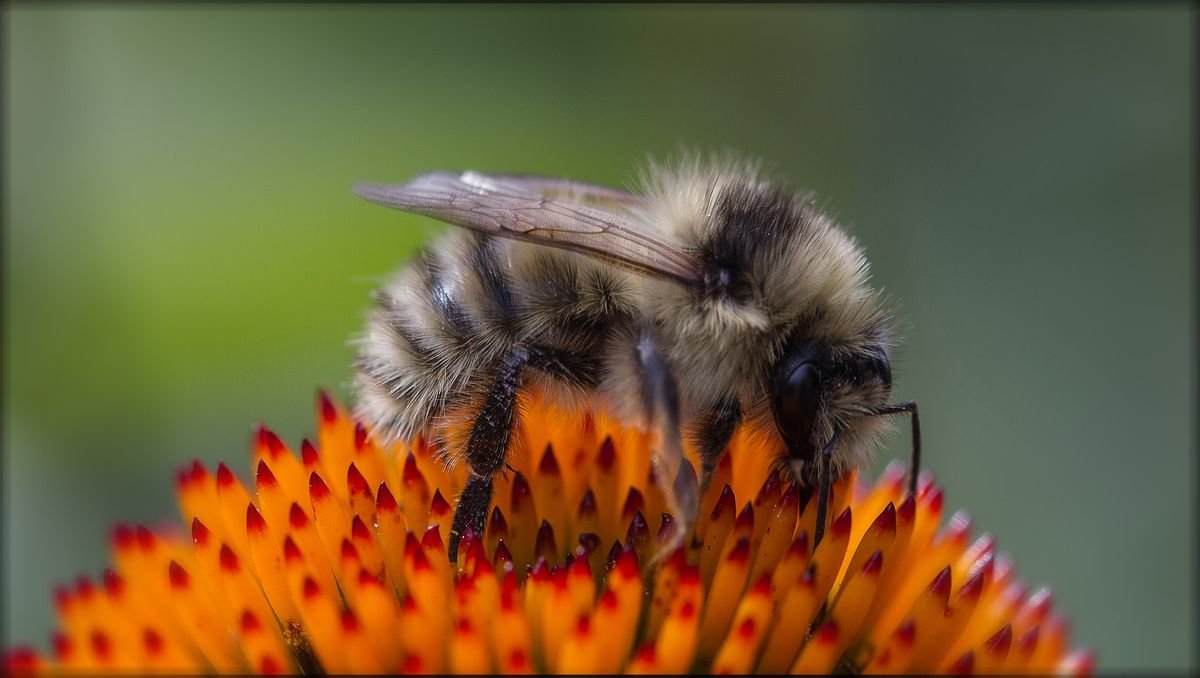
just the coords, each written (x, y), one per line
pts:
(184, 257)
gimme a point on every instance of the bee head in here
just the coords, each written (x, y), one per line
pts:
(819, 391)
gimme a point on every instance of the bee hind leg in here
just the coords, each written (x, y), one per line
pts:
(471, 512)
(487, 448)
(488, 443)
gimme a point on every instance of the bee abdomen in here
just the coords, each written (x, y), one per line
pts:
(443, 324)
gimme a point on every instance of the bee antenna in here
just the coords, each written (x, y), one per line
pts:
(914, 467)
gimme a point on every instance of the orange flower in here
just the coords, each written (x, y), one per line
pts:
(336, 560)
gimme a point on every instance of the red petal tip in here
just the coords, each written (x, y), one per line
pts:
(886, 520)
(385, 502)
(549, 463)
(229, 559)
(745, 519)
(841, 526)
(874, 564)
(325, 404)
(224, 475)
(936, 499)
(359, 529)
(799, 547)
(249, 623)
(114, 585)
(291, 552)
(687, 610)
(690, 576)
(501, 556)
(666, 527)
(587, 505)
(520, 491)
(974, 586)
(908, 510)
(267, 440)
(365, 578)
(101, 645)
(432, 539)
(763, 585)
(199, 533)
(263, 476)
(411, 474)
(356, 482)
(941, 584)
(627, 563)
(123, 537)
(746, 629)
(498, 525)
(178, 576)
(254, 520)
(964, 665)
(153, 642)
(297, 517)
(545, 545)
(1000, 642)
(724, 503)
(634, 502)
(438, 506)
(647, 654)
(198, 472)
(638, 530)
(317, 489)
(828, 633)
(741, 551)
(607, 455)
(311, 589)
(145, 537)
(308, 454)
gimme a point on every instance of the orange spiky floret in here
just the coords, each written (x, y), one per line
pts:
(337, 561)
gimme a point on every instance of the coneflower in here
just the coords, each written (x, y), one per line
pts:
(334, 560)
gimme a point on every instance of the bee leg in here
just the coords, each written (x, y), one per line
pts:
(471, 512)
(914, 467)
(825, 485)
(660, 401)
(487, 448)
(715, 433)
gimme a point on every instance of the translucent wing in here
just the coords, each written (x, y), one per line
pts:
(569, 190)
(520, 208)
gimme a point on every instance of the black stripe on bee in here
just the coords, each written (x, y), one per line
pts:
(440, 297)
(569, 367)
(750, 221)
(486, 265)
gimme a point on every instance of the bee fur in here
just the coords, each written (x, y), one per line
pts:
(474, 319)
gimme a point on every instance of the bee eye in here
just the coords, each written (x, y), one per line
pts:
(796, 409)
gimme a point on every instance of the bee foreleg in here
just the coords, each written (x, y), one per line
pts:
(714, 434)
(825, 486)
(660, 402)
(487, 448)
